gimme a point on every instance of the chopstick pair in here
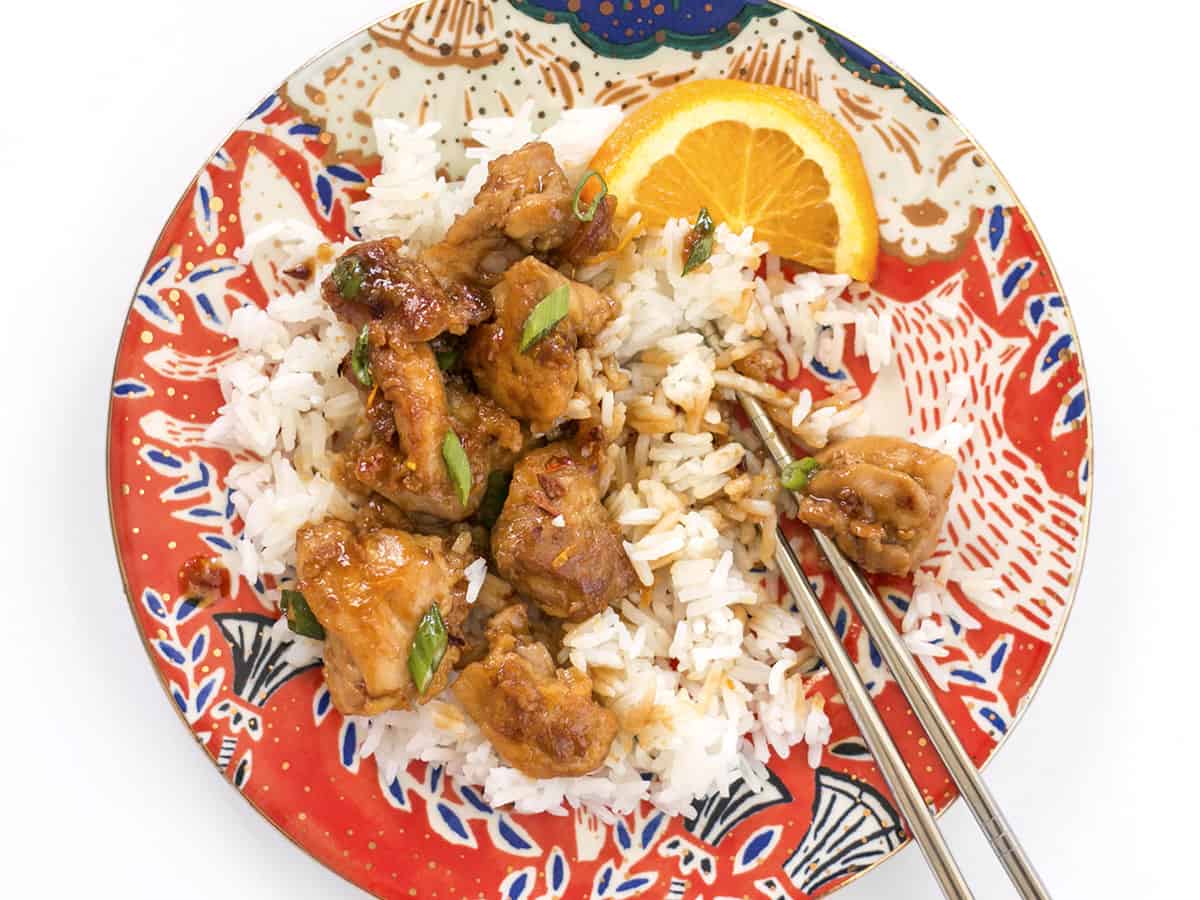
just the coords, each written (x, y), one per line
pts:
(899, 660)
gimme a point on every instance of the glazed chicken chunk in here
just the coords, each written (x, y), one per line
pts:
(594, 236)
(370, 590)
(403, 459)
(540, 720)
(554, 541)
(882, 499)
(404, 305)
(536, 383)
(523, 207)
(409, 379)
(375, 282)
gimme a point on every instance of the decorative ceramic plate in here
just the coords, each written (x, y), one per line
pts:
(952, 233)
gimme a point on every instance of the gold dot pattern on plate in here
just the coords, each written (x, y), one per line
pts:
(747, 44)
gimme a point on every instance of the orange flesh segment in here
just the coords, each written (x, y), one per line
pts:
(753, 155)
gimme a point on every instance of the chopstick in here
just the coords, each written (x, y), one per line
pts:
(899, 660)
(918, 818)
(919, 695)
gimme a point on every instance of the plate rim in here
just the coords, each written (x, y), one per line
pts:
(1089, 456)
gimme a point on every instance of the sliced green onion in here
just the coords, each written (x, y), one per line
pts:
(300, 616)
(428, 648)
(447, 359)
(795, 474)
(590, 213)
(701, 241)
(550, 310)
(493, 498)
(348, 276)
(360, 357)
(457, 465)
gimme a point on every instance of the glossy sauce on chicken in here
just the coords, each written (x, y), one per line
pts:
(436, 435)
(524, 207)
(882, 499)
(375, 282)
(554, 541)
(369, 590)
(540, 719)
(403, 459)
(536, 383)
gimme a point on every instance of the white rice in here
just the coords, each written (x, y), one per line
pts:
(700, 664)
(284, 401)
(476, 574)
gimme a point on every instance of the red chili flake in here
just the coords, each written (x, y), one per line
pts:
(559, 462)
(203, 579)
(551, 487)
(540, 501)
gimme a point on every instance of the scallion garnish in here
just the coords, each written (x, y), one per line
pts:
(586, 215)
(699, 242)
(493, 498)
(360, 357)
(428, 648)
(348, 276)
(550, 310)
(447, 359)
(795, 474)
(300, 616)
(457, 465)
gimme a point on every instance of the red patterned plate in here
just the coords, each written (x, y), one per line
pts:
(955, 239)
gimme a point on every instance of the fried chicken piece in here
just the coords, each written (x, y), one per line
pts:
(423, 489)
(375, 282)
(537, 383)
(591, 238)
(408, 377)
(403, 456)
(523, 207)
(540, 720)
(573, 570)
(370, 590)
(882, 500)
(545, 629)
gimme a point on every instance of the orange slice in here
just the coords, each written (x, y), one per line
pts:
(753, 155)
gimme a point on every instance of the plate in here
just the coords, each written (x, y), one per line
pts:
(971, 291)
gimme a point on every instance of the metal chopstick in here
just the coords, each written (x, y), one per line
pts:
(1004, 842)
(920, 821)
(904, 668)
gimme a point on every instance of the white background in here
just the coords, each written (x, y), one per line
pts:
(108, 108)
